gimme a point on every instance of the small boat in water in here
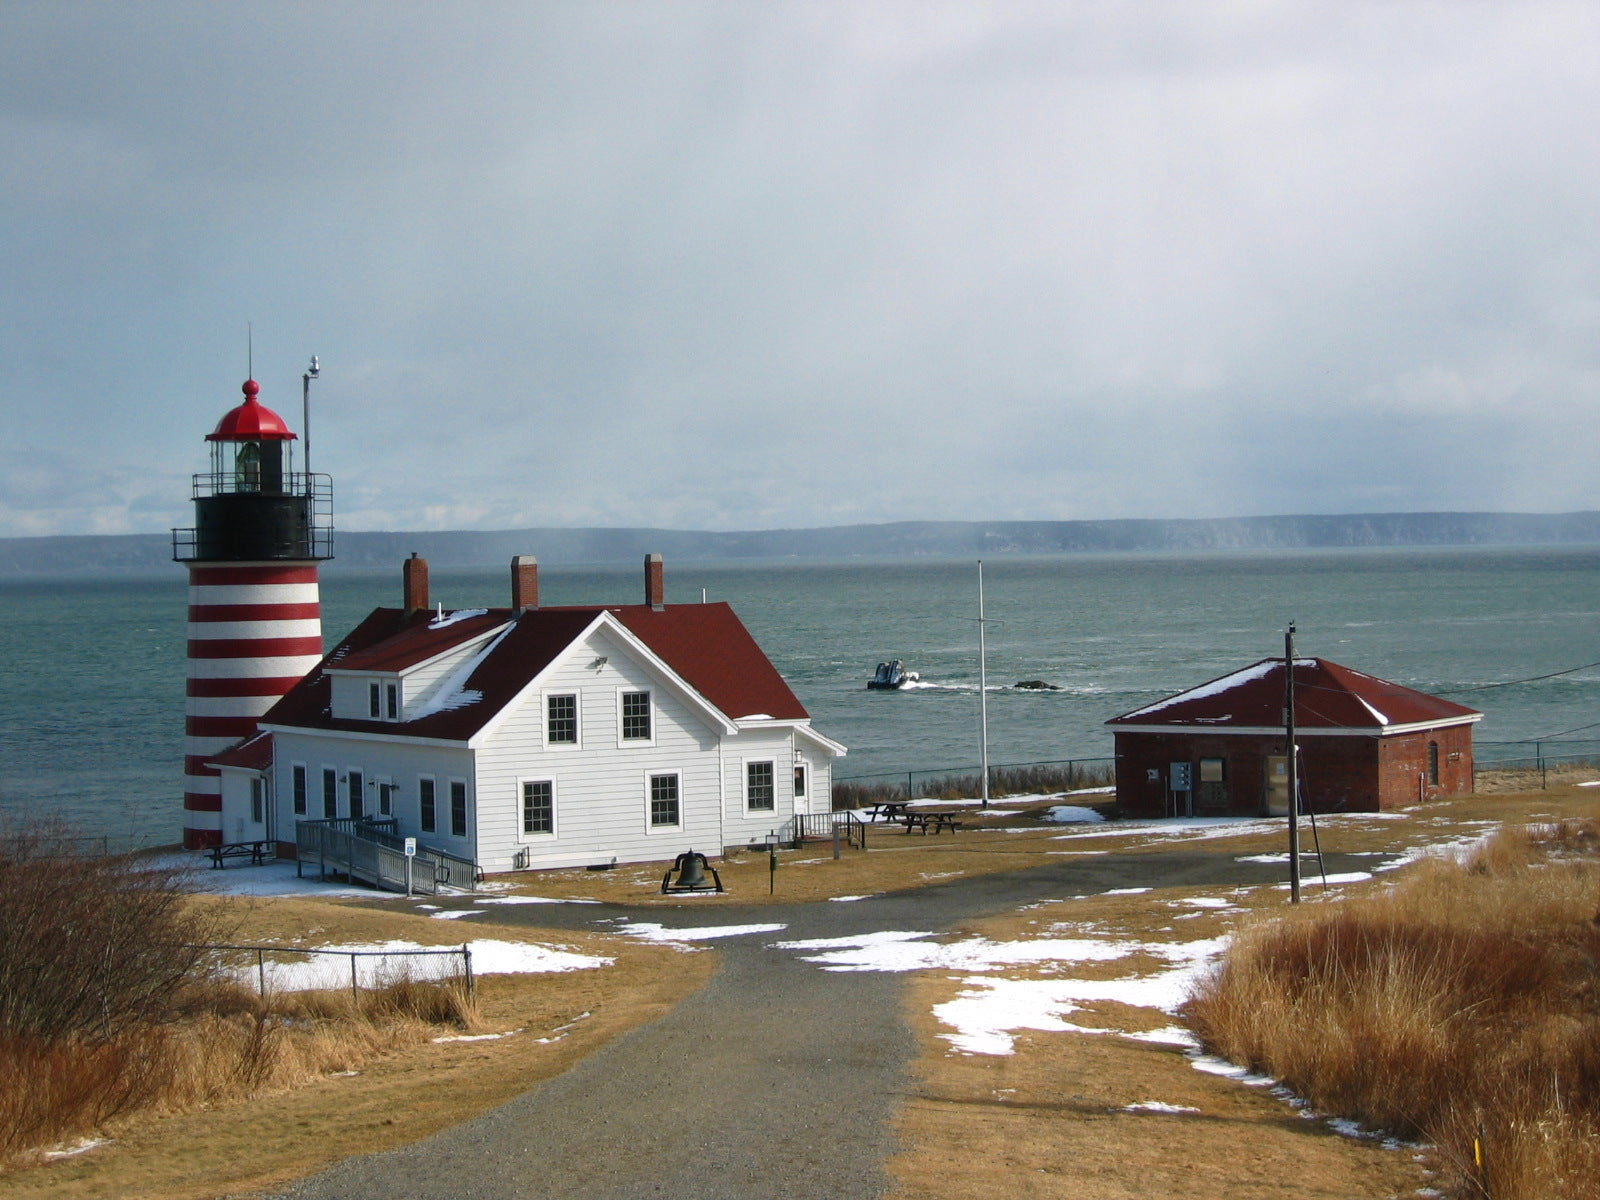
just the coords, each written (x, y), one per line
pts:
(891, 675)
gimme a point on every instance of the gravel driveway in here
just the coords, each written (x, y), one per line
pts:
(776, 1081)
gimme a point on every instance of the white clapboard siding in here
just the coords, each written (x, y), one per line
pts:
(601, 787)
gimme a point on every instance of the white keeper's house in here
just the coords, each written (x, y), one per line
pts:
(531, 737)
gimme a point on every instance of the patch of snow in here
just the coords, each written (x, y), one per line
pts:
(650, 932)
(461, 614)
(1212, 1065)
(530, 900)
(1134, 891)
(1215, 688)
(1071, 814)
(1311, 877)
(1188, 828)
(891, 950)
(81, 1146)
(848, 899)
(301, 973)
(1158, 1106)
(456, 913)
(452, 693)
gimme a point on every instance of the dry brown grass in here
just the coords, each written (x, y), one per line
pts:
(335, 1088)
(1459, 1005)
(1046, 1122)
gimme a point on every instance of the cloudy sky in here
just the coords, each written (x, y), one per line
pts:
(756, 264)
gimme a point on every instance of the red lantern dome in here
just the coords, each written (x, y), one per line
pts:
(251, 421)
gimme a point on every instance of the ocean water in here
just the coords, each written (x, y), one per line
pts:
(91, 711)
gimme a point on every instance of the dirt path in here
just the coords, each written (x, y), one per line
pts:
(775, 1080)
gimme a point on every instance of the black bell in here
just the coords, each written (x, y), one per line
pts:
(691, 868)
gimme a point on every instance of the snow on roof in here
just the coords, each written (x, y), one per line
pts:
(705, 645)
(1327, 696)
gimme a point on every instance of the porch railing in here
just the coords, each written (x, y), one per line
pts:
(371, 850)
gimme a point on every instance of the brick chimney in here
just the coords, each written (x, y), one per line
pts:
(524, 582)
(414, 579)
(655, 588)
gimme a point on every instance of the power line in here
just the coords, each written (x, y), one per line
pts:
(1484, 687)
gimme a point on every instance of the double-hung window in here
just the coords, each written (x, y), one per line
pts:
(636, 716)
(373, 700)
(458, 807)
(561, 720)
(330, 792)
(760, 787)
(299, 773)
(428, 816)
(391, 693)
(358, 795)
(538, 807)
(664, 801)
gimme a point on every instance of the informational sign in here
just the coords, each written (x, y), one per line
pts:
(411, 847)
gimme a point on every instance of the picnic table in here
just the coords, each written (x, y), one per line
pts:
(939, 820)
(889, 810)
(256, 852)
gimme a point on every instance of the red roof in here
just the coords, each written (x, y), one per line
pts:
(253, 754)
(1326, 696)
(704, 644)
(251, 421)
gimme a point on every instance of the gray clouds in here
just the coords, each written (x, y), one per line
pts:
(749, 265)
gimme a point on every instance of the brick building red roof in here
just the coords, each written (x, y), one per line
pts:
(704, 644)
(1326, 696)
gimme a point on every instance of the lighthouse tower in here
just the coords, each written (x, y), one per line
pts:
(255, 618)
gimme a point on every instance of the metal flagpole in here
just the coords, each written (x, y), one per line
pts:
(983, 688)
(305, 415)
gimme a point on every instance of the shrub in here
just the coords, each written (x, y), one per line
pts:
(90, 946)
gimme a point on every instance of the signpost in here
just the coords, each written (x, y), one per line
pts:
(411, 854)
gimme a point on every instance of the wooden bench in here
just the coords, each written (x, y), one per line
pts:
(256, 852)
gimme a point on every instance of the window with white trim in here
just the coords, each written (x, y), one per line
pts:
(258, 799)
(538, 807)
(458, 808)
(373, 701)
(664, 806)
(298, 775)
(330, 793)
(357, 791)
(386, 794)
(801, 781)
(427, 806)
(391, 693)
(636, 724)
(760, 786)
(561, 719)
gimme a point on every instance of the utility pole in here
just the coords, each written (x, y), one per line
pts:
(1294, 772)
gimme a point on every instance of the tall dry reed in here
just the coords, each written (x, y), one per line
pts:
(1461, 1006)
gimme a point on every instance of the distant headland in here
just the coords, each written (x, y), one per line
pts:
(145, 552)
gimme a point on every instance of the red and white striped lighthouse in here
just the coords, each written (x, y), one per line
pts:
(255, 617)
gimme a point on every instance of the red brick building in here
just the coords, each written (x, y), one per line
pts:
(1366, 745)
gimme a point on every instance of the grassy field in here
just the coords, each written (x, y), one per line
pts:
(1067, 1114)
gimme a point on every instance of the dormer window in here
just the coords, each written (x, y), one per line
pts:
(383, 700)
